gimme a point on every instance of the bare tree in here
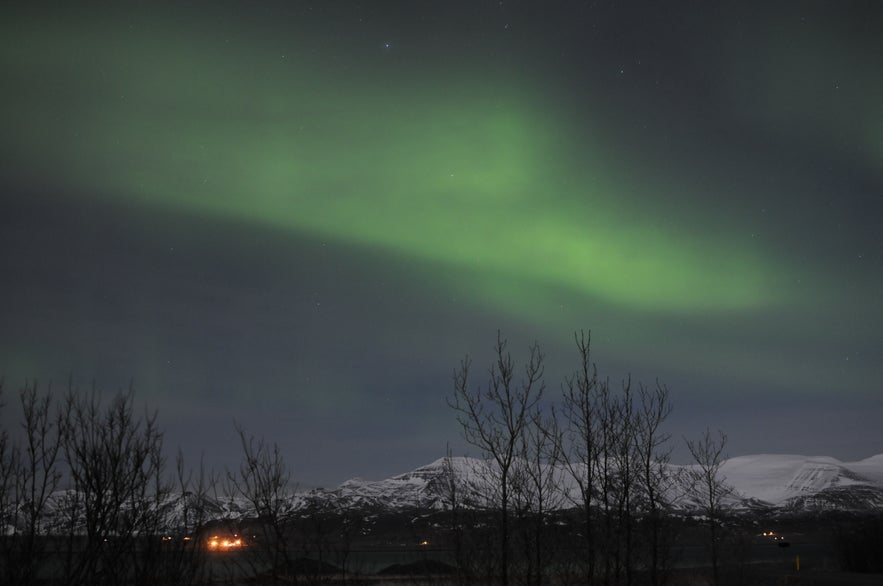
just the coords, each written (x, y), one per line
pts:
(493, 420)
(597, 456)
(264, 480)
(453, 504)
(537, 490)
(613, 449)
(115, 519)
(179, 557)
(605, 465)
(580, 449)
(709, 487)
(33, 476)
(115, 464)
(653, 454)
(8, 504)
(623, 454)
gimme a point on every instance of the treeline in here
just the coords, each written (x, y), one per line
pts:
(599, 451)
(87, 497)
(576, 490)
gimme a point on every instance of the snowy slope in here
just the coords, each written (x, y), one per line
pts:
(776, 478)
(783, 480)
(790, 482)
(427, 487)
(871, 468)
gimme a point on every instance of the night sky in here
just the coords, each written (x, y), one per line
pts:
(301, 216)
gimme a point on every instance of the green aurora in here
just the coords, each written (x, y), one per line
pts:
(479, 175)
(315, 209)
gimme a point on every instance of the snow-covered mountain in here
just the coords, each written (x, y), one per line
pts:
(766, 482)
(427, 487)
(785, 482)
(798, 483)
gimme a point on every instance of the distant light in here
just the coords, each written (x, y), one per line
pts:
(217, 543)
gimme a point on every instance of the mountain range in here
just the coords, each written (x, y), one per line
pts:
(763, 483)
(791, 483)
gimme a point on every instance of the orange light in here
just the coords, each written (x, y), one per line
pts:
(218, 543)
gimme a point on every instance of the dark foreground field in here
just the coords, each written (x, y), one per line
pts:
(822, 550)
(765, 574)
(427, 572)
(833, 550)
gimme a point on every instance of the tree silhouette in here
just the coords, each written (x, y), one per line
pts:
(709, 486)
(493, 419)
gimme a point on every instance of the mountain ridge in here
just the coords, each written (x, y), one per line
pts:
(763, 483)
(788, 482)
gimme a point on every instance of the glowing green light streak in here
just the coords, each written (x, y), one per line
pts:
(470, 182)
